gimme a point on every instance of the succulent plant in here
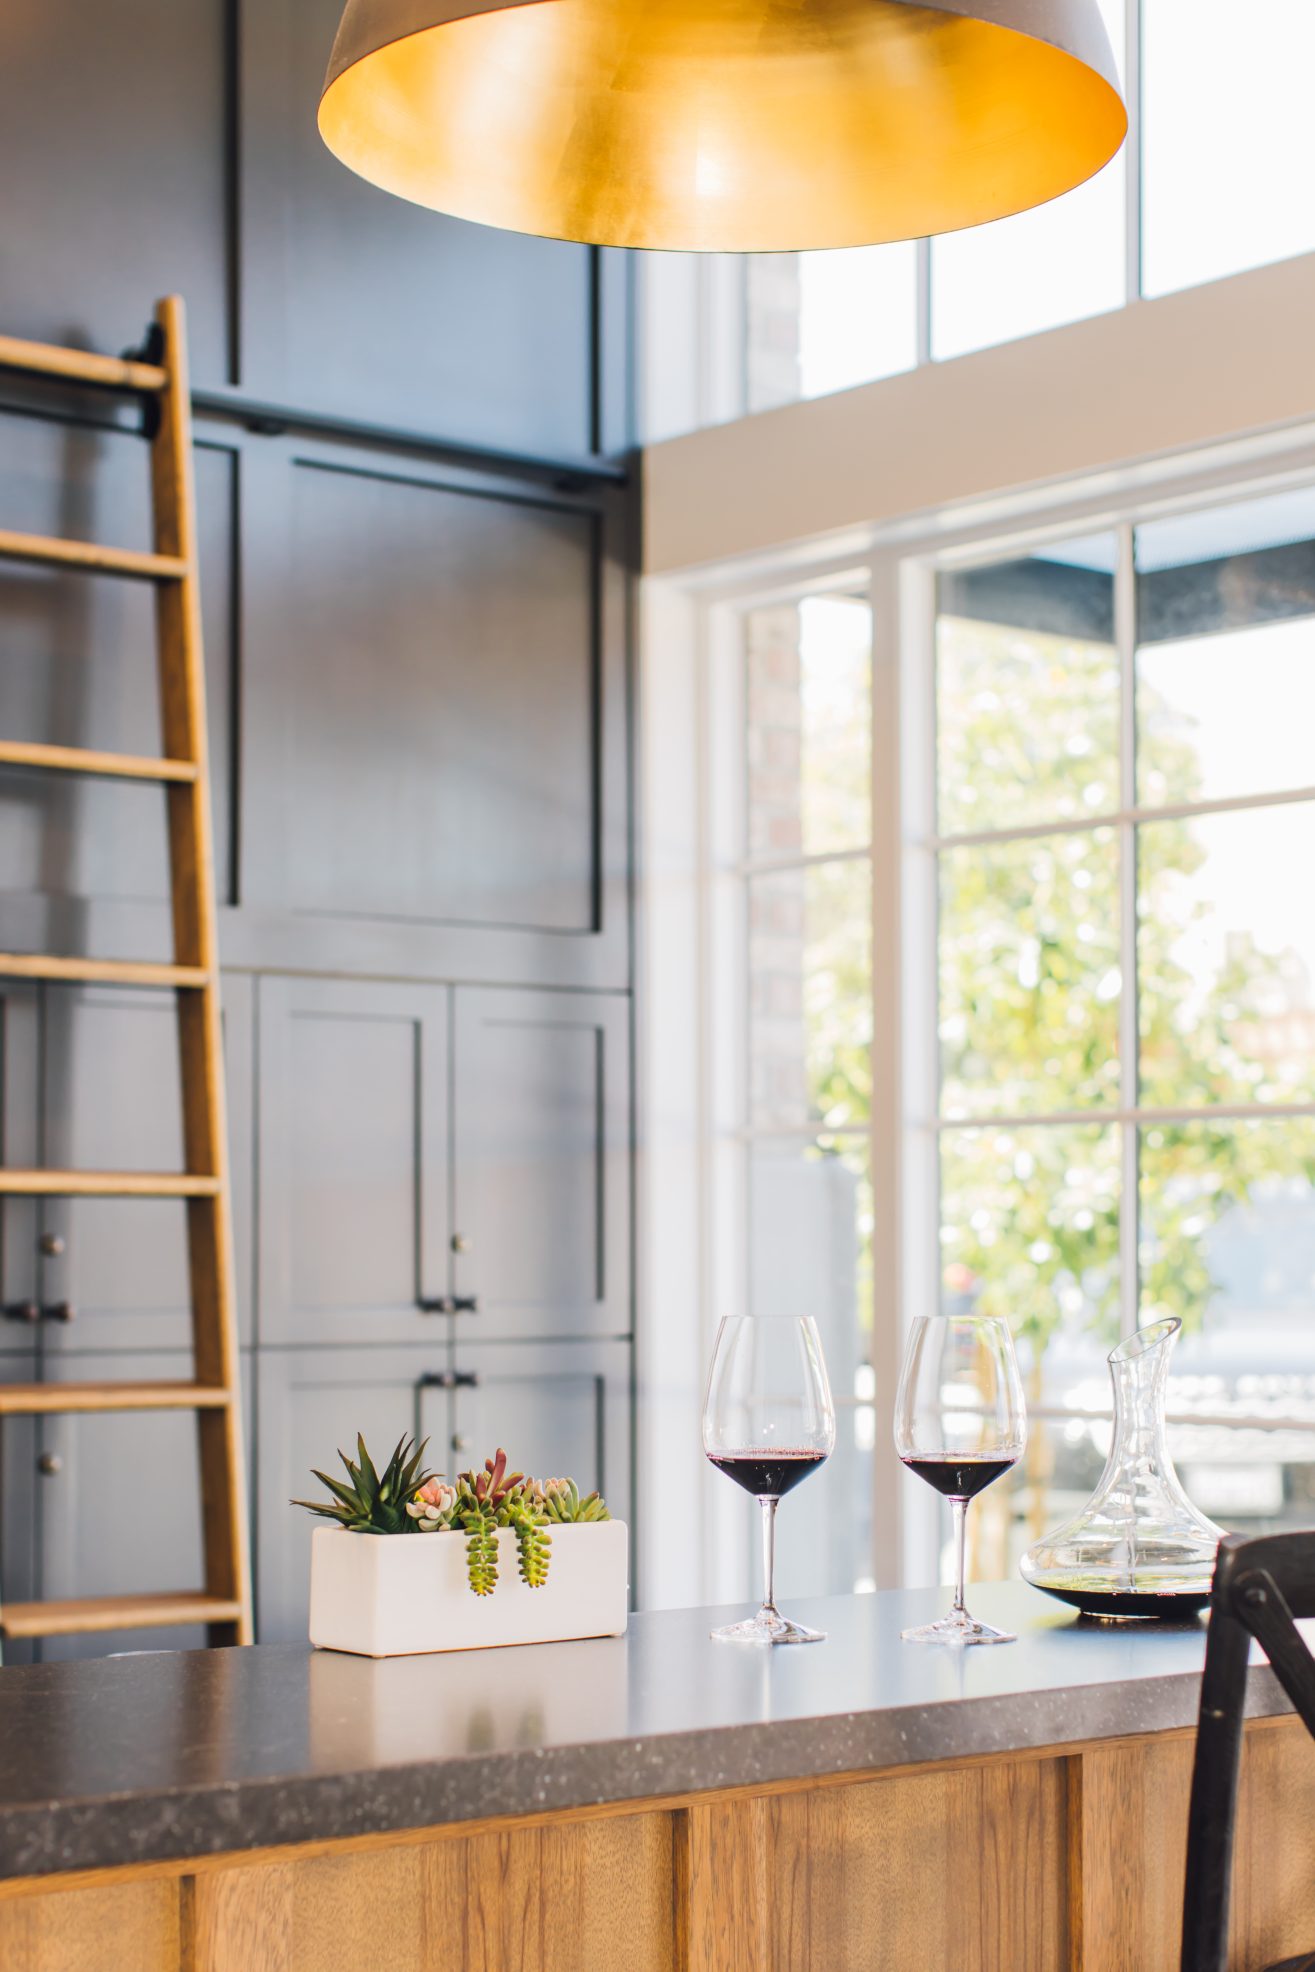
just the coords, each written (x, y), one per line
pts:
(528, 1521)
(481, 1550)
(483, 1504)
(494, 1485)
(433, 1507)
(404, 1499)
(562, 1501)
(373, 1502)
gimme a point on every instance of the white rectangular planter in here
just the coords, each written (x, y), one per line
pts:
(395, 1595)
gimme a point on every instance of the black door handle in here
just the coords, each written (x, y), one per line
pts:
(58, 1311)
(22, 1311)
(450, 1379)
(450, 1304)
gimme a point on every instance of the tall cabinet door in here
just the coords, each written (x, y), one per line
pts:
(112, 1101)
(560, 1409)
(354, 1162)
(541, 1211)
(120, 1502)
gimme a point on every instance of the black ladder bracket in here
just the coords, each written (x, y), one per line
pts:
(149, 350)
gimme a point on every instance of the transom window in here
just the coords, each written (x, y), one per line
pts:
(1213, 179)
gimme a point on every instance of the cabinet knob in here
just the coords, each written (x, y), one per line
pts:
(460, 1243)
(49, 1464)
(22, 1311)
(59, 1311)
(460, 1443)
(51, 1244)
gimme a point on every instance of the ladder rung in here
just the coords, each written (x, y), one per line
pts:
(64, 1399)
(91, 555)
(80, 366)
(107, 1184)
(102, 972)
(114, 1612)
(81, 760)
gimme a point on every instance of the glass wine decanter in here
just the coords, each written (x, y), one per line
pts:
(1139, 1548)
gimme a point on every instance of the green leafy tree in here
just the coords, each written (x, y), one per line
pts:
(1031, 980)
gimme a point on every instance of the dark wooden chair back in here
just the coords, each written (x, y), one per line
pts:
(1260, 1587)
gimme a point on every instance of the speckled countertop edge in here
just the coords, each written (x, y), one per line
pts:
(170, 1824)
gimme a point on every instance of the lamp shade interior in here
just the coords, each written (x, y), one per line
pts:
(725, 125)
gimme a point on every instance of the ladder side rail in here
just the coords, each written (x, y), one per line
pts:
(191, 860)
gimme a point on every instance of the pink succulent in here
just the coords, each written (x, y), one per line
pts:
(434, 1500)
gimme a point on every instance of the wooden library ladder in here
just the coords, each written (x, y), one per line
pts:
(224, 1604)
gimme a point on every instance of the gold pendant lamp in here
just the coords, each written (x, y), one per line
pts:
(723, 125)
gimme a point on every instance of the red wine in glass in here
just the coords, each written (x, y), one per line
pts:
(768, 1421)
(960, 1422)
(768, 1475)
(961, 1478)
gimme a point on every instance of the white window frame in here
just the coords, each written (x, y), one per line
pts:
(691, 974)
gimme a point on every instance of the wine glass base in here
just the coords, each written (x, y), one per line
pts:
(764, 1628)
(958, 1631)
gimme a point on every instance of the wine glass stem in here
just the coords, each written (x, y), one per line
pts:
(960, 1511)
(769, 1506)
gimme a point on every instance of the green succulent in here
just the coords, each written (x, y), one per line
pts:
(562, 1501)
(528, 1521)
(481, 1549)
(373, 1502)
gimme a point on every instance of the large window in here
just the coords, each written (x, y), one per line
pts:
(1125, 828)
(806, 894)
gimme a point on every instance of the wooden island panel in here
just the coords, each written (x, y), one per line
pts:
(1061, 1860)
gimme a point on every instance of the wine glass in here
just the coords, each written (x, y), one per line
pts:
(768, 1421)
(960, 1422)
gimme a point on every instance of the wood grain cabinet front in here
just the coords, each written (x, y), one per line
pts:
(1065, 1859)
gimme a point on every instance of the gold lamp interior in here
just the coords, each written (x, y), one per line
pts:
(727, 125)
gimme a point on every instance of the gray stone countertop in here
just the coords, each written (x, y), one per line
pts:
(191, 1753)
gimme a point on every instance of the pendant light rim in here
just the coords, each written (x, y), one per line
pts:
(1009, 16)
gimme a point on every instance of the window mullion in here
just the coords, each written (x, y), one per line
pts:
(1125, 635)
(1132, 154)
(923, 299)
